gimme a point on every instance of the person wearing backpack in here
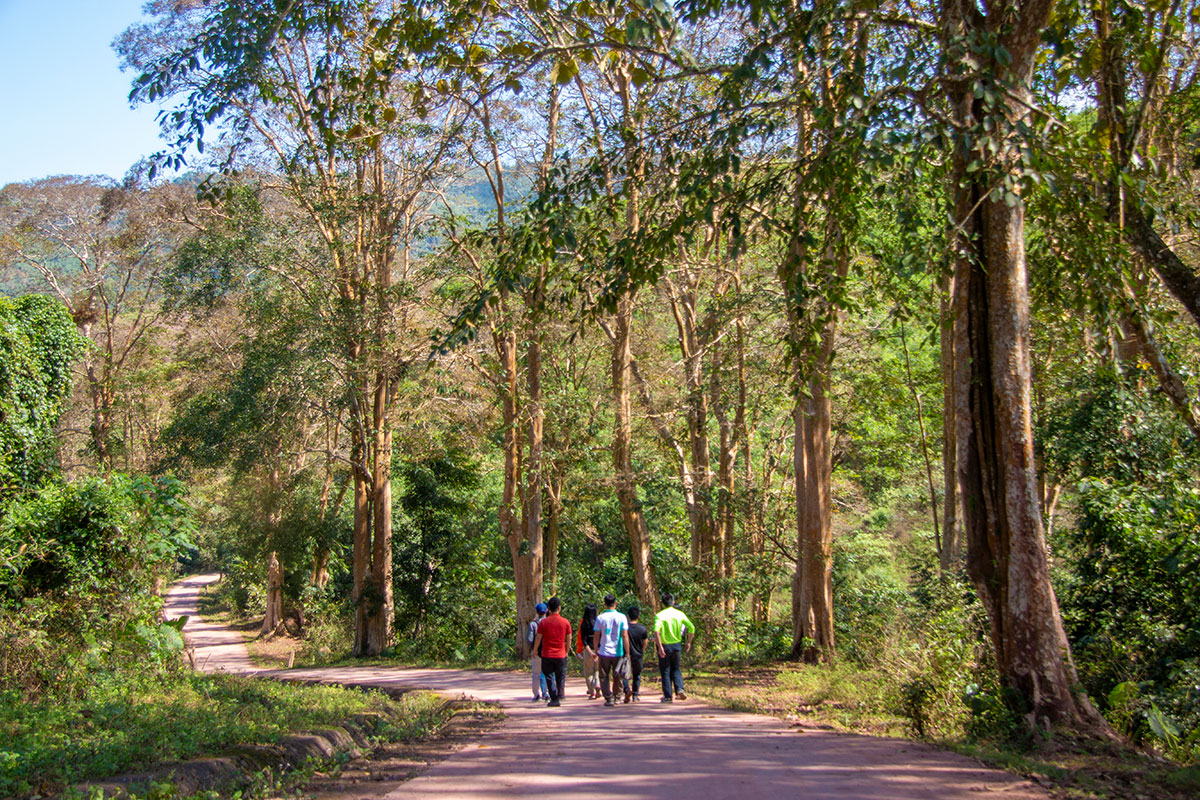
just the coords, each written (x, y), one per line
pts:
(535, 656)
(553, 640)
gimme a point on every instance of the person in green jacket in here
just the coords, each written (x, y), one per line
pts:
(669, 625)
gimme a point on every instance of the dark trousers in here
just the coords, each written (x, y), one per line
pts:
(668, 668)
(610, 676)
(555, 670)
(635, 672)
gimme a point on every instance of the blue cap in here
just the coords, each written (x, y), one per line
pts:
(541, 608)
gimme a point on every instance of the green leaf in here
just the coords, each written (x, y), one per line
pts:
(564, 71)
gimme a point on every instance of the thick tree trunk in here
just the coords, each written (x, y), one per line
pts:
(1006, 552)
(812, 583)
(1005, 542)
(372, 563)
(371, 449)
(361, 588)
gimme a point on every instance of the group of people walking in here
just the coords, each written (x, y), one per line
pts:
(612, 646)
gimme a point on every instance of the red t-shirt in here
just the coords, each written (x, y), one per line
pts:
(556, 632)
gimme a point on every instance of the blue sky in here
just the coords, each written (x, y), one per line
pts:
(63, 107)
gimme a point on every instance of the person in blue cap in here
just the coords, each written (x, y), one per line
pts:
(535, 658)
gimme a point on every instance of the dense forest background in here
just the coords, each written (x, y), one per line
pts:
(867, 329)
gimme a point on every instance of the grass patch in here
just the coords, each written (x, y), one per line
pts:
(841, 697)
(127, 723)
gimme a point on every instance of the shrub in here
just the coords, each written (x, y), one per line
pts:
(84, 562)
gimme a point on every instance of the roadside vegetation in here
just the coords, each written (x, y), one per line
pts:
(132, 721)
(443, 314)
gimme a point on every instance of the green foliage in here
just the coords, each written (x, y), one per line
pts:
(452, 596)
(870, 593)
(1129, 598)
(924, 632)
(130, 720)
(1129, 575)
(1106, 425)
(39, 344)
(225, 258)
(83, 563)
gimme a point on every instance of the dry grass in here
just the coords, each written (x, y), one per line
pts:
(837, 698)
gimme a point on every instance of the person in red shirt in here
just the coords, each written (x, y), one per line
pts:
(553, 633)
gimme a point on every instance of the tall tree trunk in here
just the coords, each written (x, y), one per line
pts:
(362, 590)
(274, 613)
(812, 583)
(951, 551)
(1006, 551)
(631, 507)
(622, 359)
(534, 463)
(550, 545)
(726, 520)
(696, 467)
(381, 620)
(808, 317)
(512, 505)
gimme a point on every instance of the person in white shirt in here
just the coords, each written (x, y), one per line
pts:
(611, 643)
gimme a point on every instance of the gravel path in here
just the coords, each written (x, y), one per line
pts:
(646, 751)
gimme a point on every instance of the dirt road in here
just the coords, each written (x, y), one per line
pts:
(649, 750)
(215, 648)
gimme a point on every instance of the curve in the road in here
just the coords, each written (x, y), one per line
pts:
(214, 647)
(643, 751)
